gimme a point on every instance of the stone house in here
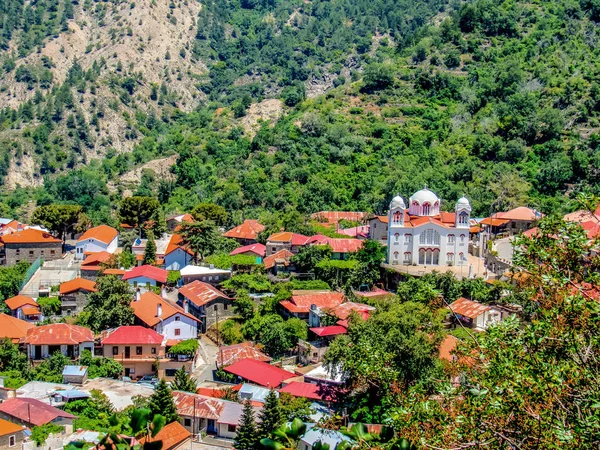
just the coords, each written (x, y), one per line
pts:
(11, 435)
(29, 245)
(74, 295)
(205, 302)
(285, 241)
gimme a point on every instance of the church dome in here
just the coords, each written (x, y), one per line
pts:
(423, 196)
(397, 202)
(463, 203)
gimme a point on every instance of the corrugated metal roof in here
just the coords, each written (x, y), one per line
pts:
(199, 406)
(468, 308)
(74, 370)
(234, 353)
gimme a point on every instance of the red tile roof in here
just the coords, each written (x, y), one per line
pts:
(344, 310)
(7, 428)
(32, 411)
(175, 243)
(282, 256)
(58, 334)
(250, 230)
(77, 284)
(332, 330)
(233, 353)
(194, 405)
(308, 390)
(154, 273)
(19, 301)
(338, 245)
(146, 308)
(259, 372)
(94, 260)
(13, 328)
(494, 222)
(468, 308)
(182, 218)
(171, 436)
(133, 335)
(200, 293)
(302, 303)
(101, 233)
(288, 237)
(258, 249)
(30, 236)
(520, 213)
(333, 217)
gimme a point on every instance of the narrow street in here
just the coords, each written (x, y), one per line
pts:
(207, 360)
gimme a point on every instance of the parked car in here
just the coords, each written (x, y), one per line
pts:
(148, 379)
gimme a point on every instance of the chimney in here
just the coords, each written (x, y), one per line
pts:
(159, 310)
(163, 291)
(138, 295)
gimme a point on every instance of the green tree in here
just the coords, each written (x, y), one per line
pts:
(200, 237)
(39, 434)
(183, 381)
(150, 250)
(139, 212)
(309, 256)
(246, 437)
(109, 306)
(244, 306)
(210, 211)
(286, 437)
(162, 401)
(61, 219)
(377, 76)
(11, 358)
(270, 415)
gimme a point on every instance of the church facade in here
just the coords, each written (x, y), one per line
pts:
(423, 235)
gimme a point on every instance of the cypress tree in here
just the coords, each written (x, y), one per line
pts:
(150, 251)
(161, 402)
(271, 416)
(183, 381)
(246, 437)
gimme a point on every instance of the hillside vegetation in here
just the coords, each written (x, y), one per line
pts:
(498, 102)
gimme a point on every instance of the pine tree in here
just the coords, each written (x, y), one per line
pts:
(271, 416)
(150, 251)
(161, 402)
(246, 437)
(183, 381)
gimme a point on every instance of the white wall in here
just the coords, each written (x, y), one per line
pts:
(223, 431)
(188, 327)
(94, 245)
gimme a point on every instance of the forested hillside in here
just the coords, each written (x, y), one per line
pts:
(496, 101)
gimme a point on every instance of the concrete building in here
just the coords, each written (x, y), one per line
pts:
(98, 239)
(29, 245)
(378, 229)
(75, 374)
(210, 274)
(68, 339)
(146, 276)
(74, 295)
(206, 303)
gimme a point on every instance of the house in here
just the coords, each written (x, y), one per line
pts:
(314, 434)
(256, 250)
(279, 261)
(11, 435)
(285, 240)
(177, 255)
(24, 308)
(29, 245)
(97, 239)
(164, 317)
(93, 264)
(139, 247)
(146, 276)
(519, 219)
(198, 412)
(474, 314)
(334, 217)
(205, 302)
(13, 328)
(137, 348)
(313, 350)
(311, 391)
(341, 248)
(172, 436)
(75, 374)
(231, 354)
(360, 232)
(74, 295)
(344, 310)
(255, 394)
(68, 339)
(31, 413)
(209, 274)
(374, 294)
(299, 305)
(246, 233)
(259, 372)
(378, 229)
(175, 221)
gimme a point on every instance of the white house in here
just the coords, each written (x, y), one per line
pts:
(423, 234)
(98, 239)
(164, 317)
(177, 256)
(42, 342)
(476, 315)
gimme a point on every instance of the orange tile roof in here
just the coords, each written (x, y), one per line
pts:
(77, 284)
(7, 427)
(13, 328)
(200, 293)
(171, 436)
(181, 218)
(114, 272)
(520, 213)
(333, 217)
(175, 243)
(250, 229)
(19, 301)
(234, 353)
(288, 237)
(338, 245)
(97, 257)
(283, 255)
(30, 236)
(447, 346)
(102, 233)
(302, 303)
(31, 310)
(494, 222)
(194, 405)
(146, 307)
(58, 334)
(468, 308)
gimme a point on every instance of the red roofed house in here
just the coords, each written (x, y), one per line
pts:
(300, 305)
(74, 295)
(311, 391)
(92, 265)
(333, 217)
(474, 314)
(246, 233)
(13, 328)
(98, 239)
(29, 245)
(285, 240)
(233, 353)
(259, 372)
(172, 436)
(257, 250)
(205, 302)
(146, 276)
(11, 435)
(279, 261)
(519, 219)
(177, 255)
(136, 348)
(31, 413)
(378, 229)
(68, 339)
(341, 248)
(165, 317)
(24, 308)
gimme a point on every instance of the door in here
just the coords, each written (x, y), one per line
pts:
(210, 427)
(127, 352)
(127, 371)
(37, 352)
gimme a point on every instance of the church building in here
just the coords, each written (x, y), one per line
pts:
(422, 234)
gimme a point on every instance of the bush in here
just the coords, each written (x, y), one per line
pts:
(50, 306)
(187, 348)
(40, 433)
(173, 277)
(231, 332)
(377, 77)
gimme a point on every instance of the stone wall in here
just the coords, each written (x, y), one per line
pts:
(31, 252)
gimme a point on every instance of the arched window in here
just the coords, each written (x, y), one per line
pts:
(463, 218)
(462, 238)
(421, 256)
(450, 239)
(416, 208)
(426, 208)
(407, 257)
(449, 258)
(436, 208)
(436, 257)
(396, 256)
(396, 237)
(408, 238)
(397, 217)
(429, 237)
(461, 257)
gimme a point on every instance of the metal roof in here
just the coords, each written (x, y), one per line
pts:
(74, 370)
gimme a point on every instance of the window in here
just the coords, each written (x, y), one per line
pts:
(408, 238)
(52, 252)
(138, 350)
(115, 350)
(187, 422)
(177, 332)
(407, 257)
(209, 278)
(449, 258)
(397, 217)
(430, 237)
(231, 428)
(225, 306)
(462, 238)
(153, 350)
(170, 372)
(396, 255)
(274, 249)
(41, 252)
(31, 252)
(396, 237)
(17, 251)
(12, 441)
(177, 318)
(450, 239)
(426, 209)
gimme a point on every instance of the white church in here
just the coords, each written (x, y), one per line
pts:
(422, 234)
